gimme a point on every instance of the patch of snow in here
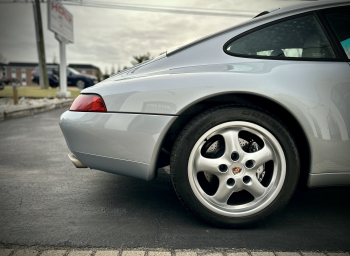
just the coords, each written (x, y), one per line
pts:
(6, 104)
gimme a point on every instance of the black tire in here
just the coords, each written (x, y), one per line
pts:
(211, 118)
(80, 84)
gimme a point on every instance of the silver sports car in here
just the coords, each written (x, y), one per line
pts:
(243, 117)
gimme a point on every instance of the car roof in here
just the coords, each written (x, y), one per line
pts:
(303, 7)
(278, 13)
(312, 5)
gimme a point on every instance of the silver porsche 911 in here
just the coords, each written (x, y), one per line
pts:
(243, 117)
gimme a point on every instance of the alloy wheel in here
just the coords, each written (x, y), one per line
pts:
(236, 168)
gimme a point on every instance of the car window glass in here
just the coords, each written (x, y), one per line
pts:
(72, 70)
(340, 23)
(295, 38)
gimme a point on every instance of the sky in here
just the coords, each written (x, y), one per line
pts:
(107, 37)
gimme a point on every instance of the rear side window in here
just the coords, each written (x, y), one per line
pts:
(340, 23)
(300, 37)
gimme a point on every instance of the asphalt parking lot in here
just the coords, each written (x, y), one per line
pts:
(46, 201)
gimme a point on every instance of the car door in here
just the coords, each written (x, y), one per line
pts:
(337, 23)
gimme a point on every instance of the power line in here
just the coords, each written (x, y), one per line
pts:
(153, 9)
(144, 8)
(163, 6)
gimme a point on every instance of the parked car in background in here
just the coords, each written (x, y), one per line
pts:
(8, 81)
(74, 77)
(242, 117)
(52, 74)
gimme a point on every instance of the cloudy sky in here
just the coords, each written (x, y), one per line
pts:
(106, 37)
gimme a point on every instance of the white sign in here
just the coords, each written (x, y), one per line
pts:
(60, 20)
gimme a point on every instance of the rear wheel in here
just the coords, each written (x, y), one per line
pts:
(235, 166)
(80, 84)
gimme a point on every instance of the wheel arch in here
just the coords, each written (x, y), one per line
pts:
(248, 99)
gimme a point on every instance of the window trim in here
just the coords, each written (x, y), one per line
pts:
(338, 58)
(328, 27)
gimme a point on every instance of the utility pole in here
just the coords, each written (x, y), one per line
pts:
(44, 81)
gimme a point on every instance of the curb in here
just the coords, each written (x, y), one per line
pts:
(12, 114)
(57, 251)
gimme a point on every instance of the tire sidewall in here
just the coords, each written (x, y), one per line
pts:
(77, 84)
(210, 119)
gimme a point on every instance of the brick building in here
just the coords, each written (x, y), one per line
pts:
(23, 70)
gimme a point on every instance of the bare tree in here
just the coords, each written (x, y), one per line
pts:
(105, 75)
(2, 58)
(136, 60)
(140, 59)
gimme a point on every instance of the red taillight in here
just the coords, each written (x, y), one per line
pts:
(88, 103)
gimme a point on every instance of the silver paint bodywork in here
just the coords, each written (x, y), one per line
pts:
(115, 142)
(147, 99)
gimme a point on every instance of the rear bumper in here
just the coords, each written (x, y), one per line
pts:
(126, 144)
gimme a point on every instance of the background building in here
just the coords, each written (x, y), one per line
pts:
(23, 70)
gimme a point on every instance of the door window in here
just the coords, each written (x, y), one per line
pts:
(340, 23)
(297, 38)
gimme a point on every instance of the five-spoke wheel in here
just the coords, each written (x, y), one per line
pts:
(237, 169)
(235, 166)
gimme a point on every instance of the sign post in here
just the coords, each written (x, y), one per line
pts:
(63, 93)
(15, 94)
(61, 23)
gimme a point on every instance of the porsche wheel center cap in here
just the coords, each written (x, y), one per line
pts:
(236, 170)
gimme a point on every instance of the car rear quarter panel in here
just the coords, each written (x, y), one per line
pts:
(316, 93)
